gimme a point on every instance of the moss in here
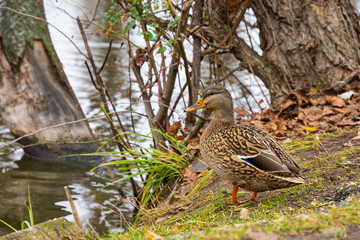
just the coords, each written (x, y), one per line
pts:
(18, 31)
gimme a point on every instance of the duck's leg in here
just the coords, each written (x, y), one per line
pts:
(253, 196)
(233, 197)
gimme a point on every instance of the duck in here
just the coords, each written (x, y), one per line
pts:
(246, 155)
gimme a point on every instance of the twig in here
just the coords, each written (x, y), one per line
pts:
(177, 100)
(252, 71)
(91, 76)
(244, 7)
(195, 130)
(73, 208)
(63, 124)
(106, 57)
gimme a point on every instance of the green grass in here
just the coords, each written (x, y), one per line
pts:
(24, 223)
(219, 220)
(282, 212)
(159, 168)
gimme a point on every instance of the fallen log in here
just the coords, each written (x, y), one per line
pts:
(58, 228)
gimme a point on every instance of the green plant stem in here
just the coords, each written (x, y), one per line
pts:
(119, 137)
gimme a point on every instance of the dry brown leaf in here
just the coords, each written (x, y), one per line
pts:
(312, 118)
(313, 110)
(335, 101)
(317, 101)
(180, 138)
(241, 112)
(334, 118)
(140, 57)
(244, 213)
(193, 145)
(327, 111)
(189, 178)
(285, 105)
(348, 122)
(151, 235)
(342, 110)
(174, 129)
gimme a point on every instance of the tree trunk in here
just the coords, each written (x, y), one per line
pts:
(306, 44)
(34, 90)
(313, 43)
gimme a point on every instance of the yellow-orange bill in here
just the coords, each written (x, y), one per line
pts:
(200, 104)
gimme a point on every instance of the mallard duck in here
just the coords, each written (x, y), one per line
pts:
(246, 155)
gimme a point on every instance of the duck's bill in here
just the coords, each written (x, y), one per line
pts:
(200, 104)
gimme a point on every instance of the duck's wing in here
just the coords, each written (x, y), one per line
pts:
(250, 146)
(279, 151)
(267, 161)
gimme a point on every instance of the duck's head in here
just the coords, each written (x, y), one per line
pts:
(214, 97)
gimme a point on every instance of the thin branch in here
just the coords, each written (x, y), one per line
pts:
(64, 124)
(106, 57)
(244, 7)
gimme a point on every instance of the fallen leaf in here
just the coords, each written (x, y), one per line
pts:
(356, 137)
(309, 129)
(342, 110)
(312, 118)
(334, 118)
(317, 101)
(244, 213)
(348, 122)
(189, 176)
(335, 101)
(152, 236)
(327, 111)
(241, 112)
(313, 110)
(285, 105)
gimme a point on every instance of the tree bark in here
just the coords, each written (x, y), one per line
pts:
(34, 90)
(306, 44)
(313, 43)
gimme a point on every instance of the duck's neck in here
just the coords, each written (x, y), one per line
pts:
(221, 119)
(224, 114)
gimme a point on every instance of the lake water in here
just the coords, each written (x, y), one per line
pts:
(47, 179)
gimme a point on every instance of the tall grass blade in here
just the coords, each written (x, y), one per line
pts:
(8, 225)
(31, 216)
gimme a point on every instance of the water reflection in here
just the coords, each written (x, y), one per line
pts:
(47, 180)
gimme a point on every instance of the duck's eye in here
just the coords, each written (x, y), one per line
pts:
(209, 94)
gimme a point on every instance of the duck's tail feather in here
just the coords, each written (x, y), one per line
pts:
(294, 179)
